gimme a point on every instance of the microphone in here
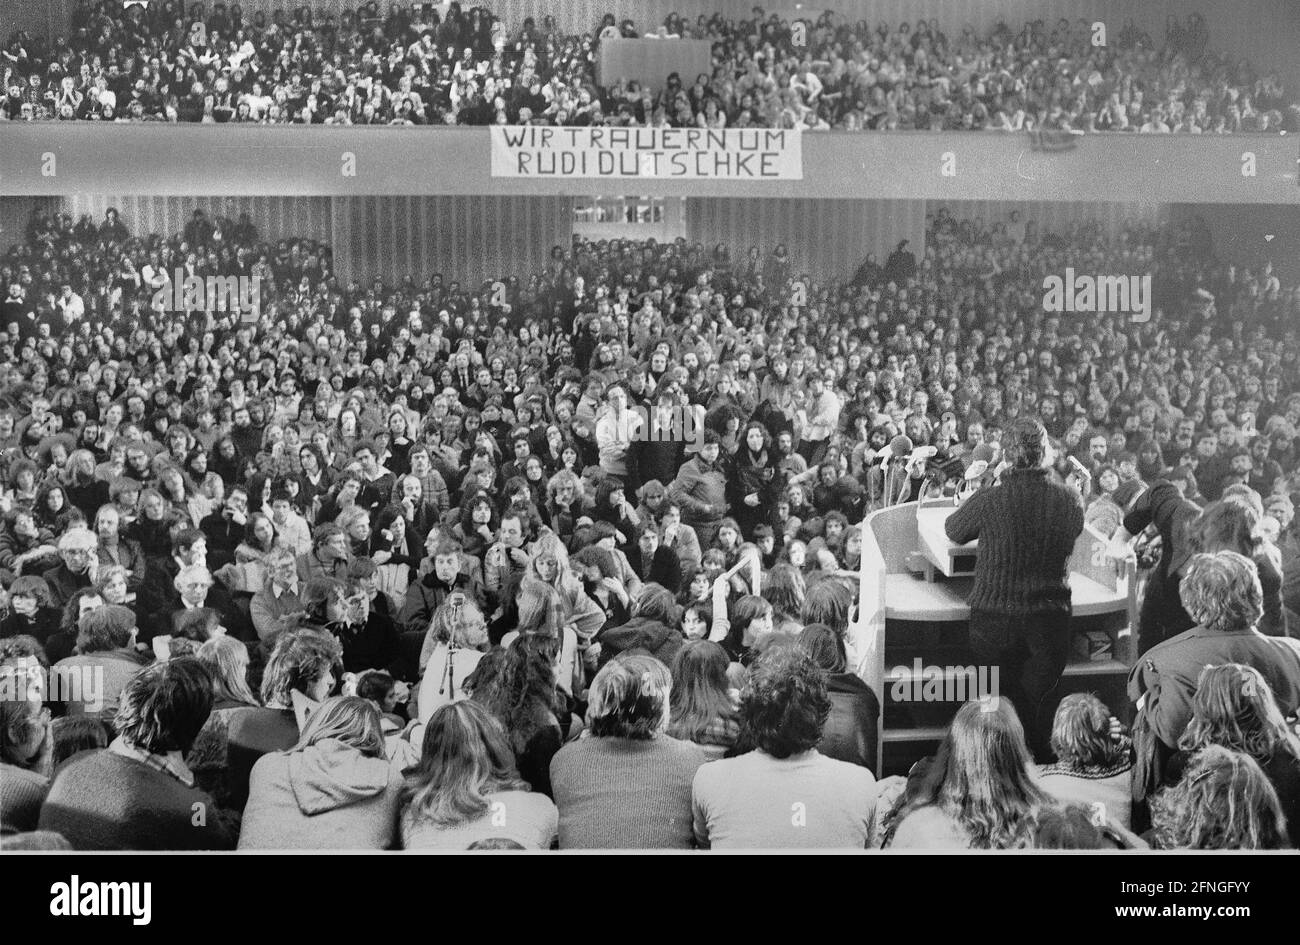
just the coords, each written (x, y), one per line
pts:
(899, 449)
(975, 476)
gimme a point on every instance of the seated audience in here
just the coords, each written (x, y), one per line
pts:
(465, 792)
(138, 794)
(979, 792)
(336, 789)
(626, 783)
(784, 793)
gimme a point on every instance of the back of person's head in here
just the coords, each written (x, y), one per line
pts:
(1221, 591)
(227, 660)
(829, 602)
(524, 681)
(981, 777)
(1025, 443)
(1224, 802)
(184, 539)
(784, 705)
(824, 647)
(701, 691)
(465, 756)
(1081, 733)
(542, 609)
(76, 733)
(349, 720)
(110, 627)
(1243, 495)
(1226, 525)
(496, 843)
(1234, 707)
(1071, 827)
(301, 658)
(23, 728)
(656, 602)
(165, 705)
(629, 698)
(746, 610)
(200, 624)
(785, 590)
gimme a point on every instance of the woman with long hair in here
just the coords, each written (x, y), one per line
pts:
(600, 573)
(1234, 708)
(549, 565)
(705, 709)
(392, 542)
(51, 504)
(1223, 802)
(334, 790)
(757, 480)
(227, 659)
(978, 792)
(314, 481)
(466, 788)
(611, 505)
(524, 697)
(84, 490)
(749, 622)
(259, 539)
(564, 504)
(152, 528)
(784, 588)
(477, 528)
(179, 491)
(850, 732)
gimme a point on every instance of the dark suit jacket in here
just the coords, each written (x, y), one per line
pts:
(63, 583)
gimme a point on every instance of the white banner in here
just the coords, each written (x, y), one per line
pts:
(742, 154)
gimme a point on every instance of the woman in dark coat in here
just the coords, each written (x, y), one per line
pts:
(756, 481)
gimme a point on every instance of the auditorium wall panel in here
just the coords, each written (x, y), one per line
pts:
(1240, 234)
(274, 217)
(467, 238)
(829, 239)
(14, 214)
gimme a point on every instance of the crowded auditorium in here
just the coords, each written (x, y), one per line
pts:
(738, 520)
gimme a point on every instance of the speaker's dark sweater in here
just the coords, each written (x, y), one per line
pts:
(1026, 526)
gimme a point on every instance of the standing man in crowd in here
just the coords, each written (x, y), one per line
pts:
(1021, 604)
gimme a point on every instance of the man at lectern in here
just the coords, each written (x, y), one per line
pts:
(1027, 525)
